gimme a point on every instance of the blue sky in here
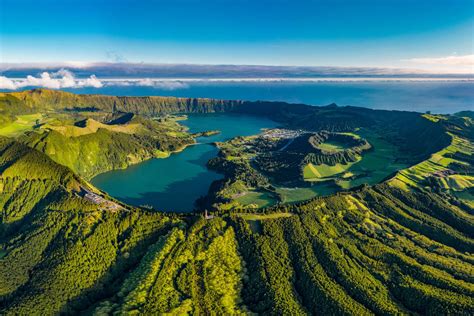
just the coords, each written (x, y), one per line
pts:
(430, 34)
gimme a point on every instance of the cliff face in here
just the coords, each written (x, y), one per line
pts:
(41, 99)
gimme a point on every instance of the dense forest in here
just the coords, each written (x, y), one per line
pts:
(402, 246)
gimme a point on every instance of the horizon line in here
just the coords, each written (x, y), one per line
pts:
(8, 66)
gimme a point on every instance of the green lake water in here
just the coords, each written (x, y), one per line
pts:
(174, 183)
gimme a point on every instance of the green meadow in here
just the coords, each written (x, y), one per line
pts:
(22, 124)
(318, 172)
(372, 167)
(255, 199)
(332, 145)
(291, 195)
(378, 163)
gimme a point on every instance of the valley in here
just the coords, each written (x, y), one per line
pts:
(365, 211)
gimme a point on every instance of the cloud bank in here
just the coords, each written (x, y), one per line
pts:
(55, 80)
(64, 78)
(164, 84)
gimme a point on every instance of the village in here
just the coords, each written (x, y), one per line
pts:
(104, 204)
(282, 133)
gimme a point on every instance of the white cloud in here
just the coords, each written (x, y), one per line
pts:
(64, 78)
(146, 82)
(6, 83)
(162, 84)
(55, 80)
(453, 60)
(44, 81)
(92, 81)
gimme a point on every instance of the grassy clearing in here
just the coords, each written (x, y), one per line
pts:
(291, 195)
(344, 184)
(161, 154)
(433, 118)
(22, 124)
(347, 175)
(376, 164)
(332, 146)
(372, 168)
(92, 126)
(352, 134)
(316, 172)
(456, 182)
(255, 199)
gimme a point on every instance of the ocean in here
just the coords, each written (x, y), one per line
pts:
(438, 97)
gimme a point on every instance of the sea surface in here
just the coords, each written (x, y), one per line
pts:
(176, 182)
(437, 97)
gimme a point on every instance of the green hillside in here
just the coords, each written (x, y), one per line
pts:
(97, 147)
(402, 246)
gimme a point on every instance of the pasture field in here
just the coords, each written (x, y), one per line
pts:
(92, 126)
(332, 145)
(377, 163)
(371, 168)
(22, 124)
(456, 182)
(291, 195)
(254, 198)
(313, 172)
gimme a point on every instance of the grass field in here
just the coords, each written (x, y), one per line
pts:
(161, 154)
(456, 182)
(255, 199)
(22, 124)
(291, 195)
(372, 168)
(316, 172)
(377, 163)
(331, 145)
(92, 126)
(344, 184)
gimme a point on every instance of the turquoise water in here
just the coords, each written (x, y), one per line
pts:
(174, 183)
